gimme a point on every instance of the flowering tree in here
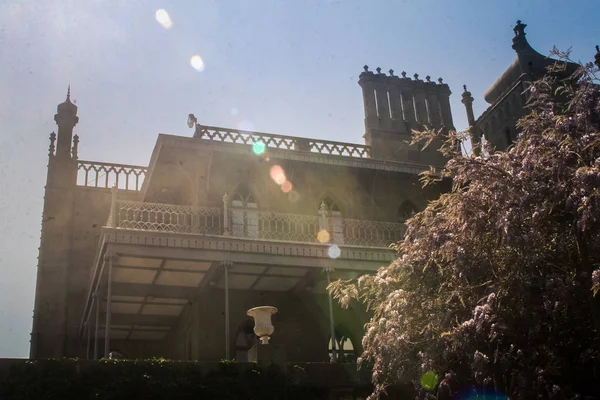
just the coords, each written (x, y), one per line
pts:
(495, 287)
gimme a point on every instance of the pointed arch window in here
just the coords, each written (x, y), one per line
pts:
(244, 214)
(336, 224)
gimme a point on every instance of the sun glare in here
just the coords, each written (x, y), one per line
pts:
(334, 251)
(323, 236)
(197, 63)
(278, 175)
(163, 18)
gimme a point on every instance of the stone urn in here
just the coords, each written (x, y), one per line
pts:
(263, 328)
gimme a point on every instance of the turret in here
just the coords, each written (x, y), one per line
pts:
(66, 118)
(50, 331)
(467, 100)
(397, 105)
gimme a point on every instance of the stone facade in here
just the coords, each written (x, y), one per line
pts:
(165, 260)
(508, 96)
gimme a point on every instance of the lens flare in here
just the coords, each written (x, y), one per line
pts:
(429, 380)
(293, 196)
(286, 187)
(197, 63)
(234, 111)
(258, 147)
(334, 251)
(323, 236)
(278, 175)
(163, 18)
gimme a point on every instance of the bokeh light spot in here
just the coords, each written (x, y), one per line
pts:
(293, 196)
(277, 174)
(197, 63)
(323, 236)
(429, 380)
(258, 147)
(334, 251)
(163, 18)
(234, 111)
(286, 187)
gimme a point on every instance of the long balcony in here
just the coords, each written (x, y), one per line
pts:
(254, 224)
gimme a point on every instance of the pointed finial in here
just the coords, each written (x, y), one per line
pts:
(466, 95)
(74, 149)
(391, 71)
(403, 73)
(366, 68)
(441, 81)
(69, 93)
(52, 147)
(428, 78)
(378, 70)
(519, 29)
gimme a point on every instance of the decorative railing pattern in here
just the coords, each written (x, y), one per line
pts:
(275, 226)
(107, 175)
(254, 224)
(282, 142)
(165, 218)
(371, 233)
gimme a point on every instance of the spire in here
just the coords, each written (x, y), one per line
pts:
(67, 107)
(597, 57)
(66, 118)
(466, 96)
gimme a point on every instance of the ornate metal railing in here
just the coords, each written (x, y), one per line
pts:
(282, 142)
(251, 223)
(371, 233)
(276, 226)
(107, 175)
(165, 218)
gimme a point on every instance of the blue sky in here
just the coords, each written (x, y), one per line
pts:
(288, 67)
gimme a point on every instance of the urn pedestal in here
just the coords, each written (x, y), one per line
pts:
(267, 353)
(264, 352)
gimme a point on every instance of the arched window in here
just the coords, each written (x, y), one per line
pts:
(336, 224)
(344, 349)
(406, 211)
(244, 341)
(244, 214)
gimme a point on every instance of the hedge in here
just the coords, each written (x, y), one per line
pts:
(155, 379)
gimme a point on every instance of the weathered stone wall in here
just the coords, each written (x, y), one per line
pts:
(359, 193)
(78, 213)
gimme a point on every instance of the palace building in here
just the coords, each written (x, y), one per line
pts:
(164, 260)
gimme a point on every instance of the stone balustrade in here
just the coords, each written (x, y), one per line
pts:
(253, 224)
(106, 175)
(282, 142)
